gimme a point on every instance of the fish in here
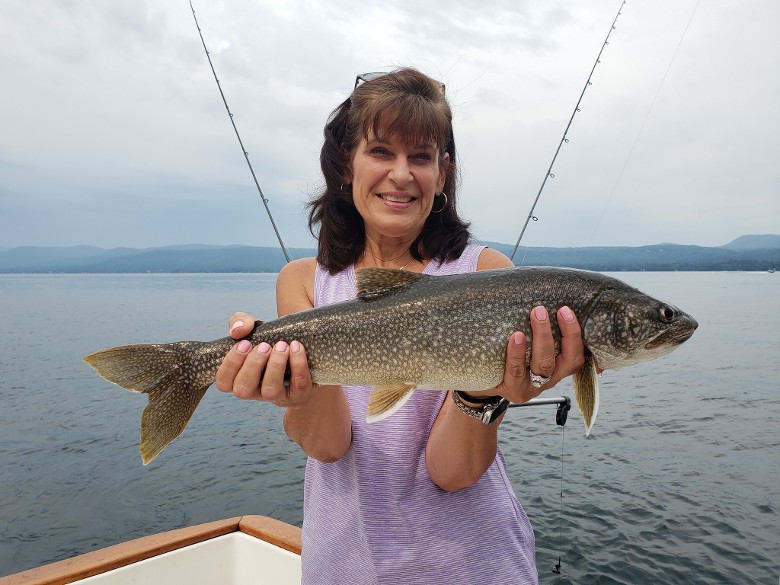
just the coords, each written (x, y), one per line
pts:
(407, 331)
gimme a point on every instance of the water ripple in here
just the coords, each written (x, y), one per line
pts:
(676, 485)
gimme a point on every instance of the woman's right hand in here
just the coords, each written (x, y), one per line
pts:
(257, 373)
(317, 419)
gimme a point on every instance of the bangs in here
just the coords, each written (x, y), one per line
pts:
(415, 124)
(412, 118)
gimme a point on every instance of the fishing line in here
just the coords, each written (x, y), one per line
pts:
(246, 154)
(644, 123)
(557, 567)
(561, 416)
(549, 174)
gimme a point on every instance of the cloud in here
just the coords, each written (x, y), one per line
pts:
(113, 132)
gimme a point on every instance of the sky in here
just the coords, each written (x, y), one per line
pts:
(113, 132)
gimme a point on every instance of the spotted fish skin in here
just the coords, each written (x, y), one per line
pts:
(407, 331)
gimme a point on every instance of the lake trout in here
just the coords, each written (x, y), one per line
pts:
(407, 331)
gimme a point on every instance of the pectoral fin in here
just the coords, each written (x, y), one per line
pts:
(586, 391)
(387, 399)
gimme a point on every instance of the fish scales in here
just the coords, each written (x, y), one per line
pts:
(408, 331)
(456, 342)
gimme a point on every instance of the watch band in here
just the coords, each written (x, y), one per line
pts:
(471, 399)
(492, 407)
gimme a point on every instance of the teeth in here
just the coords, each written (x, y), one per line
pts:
(396, 199)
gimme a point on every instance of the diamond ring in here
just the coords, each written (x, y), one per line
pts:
(538, 381)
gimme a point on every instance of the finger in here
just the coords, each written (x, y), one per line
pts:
(515, 370)
(514, 386)
(542, 344)
(241, 325)
(272, 387)
(231, 364)
(572, 346)
(300, 377)
(247, 383)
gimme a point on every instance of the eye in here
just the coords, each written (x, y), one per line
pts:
(667, 313)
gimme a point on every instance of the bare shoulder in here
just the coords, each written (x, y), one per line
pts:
(490, 259)
(298, 271)
(295, 286)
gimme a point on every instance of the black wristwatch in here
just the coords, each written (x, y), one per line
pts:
(491, 406)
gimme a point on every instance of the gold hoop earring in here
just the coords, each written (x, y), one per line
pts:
(443, 206)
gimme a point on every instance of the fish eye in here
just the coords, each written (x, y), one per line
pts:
(667, 314)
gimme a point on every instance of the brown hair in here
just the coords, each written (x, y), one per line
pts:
(406, 104)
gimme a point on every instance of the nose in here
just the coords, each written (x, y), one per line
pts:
(400, 173)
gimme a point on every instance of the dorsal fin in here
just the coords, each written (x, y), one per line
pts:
(373, 283)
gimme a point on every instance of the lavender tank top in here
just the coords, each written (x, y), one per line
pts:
(375, 516)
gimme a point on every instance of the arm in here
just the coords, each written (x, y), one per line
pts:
(460, 448)
(317, 417)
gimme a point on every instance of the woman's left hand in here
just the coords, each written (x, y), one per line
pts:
(516, 385)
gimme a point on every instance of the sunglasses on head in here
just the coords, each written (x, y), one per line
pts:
(364, 77)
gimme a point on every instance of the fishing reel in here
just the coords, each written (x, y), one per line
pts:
(562, 412)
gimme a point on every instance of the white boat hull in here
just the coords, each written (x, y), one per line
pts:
(238, 551)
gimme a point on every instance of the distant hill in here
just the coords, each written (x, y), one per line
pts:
(188, 258)
(760, 242)
(659, 257)
(745, 253)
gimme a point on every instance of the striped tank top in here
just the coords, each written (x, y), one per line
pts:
(375, 516)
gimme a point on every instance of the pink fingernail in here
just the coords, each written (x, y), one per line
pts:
(541, 313)
(243, 346)
(567, 314)
(280, 346)
(518, 338)
(236, 325)
(263, 347)
(295, 347)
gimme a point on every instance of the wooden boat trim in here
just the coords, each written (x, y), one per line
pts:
(273, 531)
(106, 559)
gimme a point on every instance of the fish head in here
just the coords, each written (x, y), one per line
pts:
(626, 326)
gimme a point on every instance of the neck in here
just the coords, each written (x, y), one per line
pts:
(388, 254)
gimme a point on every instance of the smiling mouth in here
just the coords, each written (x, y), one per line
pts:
(395, 198)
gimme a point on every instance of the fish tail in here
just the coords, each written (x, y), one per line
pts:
(586, 391)
(174, 376)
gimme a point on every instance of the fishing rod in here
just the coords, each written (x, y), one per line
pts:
(561, 413)
(564, 403)
(232, 121)
(549, 174)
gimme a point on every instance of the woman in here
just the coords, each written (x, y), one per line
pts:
(423, 496)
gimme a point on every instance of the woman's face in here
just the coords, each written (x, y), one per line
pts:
(393, 185)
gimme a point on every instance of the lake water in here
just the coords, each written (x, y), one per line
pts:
(679, 482)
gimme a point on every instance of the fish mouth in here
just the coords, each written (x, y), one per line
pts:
(672, 338)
